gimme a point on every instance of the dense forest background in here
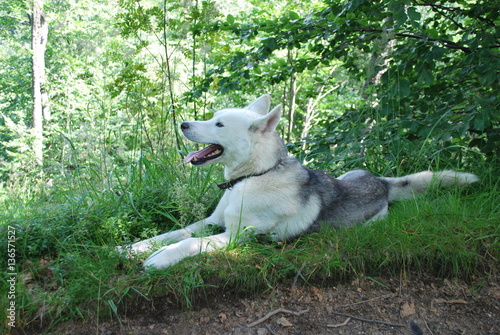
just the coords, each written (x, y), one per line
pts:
(392, 85)
(92, 93)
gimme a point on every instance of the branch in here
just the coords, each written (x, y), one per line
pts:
(279, 310)
(440, 9)
(339, 324)
(457, 10)
(447, 43)
(371, 321)
(369, 300)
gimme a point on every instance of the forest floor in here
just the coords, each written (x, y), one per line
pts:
(415, 305)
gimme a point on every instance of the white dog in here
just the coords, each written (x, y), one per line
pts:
(270, 192)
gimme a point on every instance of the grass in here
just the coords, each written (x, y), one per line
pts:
(67, 267)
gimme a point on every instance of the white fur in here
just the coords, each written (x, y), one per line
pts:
(271, 203)
(248, 207)
(418, 183)
(244, 152)
(265, 206)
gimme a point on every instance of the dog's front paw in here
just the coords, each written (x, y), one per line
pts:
(163, 258)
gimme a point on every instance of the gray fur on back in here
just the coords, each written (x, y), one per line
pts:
(356, 197)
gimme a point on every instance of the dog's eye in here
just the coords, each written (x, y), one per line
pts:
(219, 124)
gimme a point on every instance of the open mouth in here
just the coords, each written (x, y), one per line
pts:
(213, 151)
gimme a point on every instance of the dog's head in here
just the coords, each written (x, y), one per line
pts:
(233, 134)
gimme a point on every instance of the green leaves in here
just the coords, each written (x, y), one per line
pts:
(414, 17)
(425, 77)
(394, 62)
(397, 8)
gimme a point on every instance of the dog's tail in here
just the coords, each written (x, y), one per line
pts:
(407, 187)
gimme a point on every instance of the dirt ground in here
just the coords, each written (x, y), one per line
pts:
(415, 305)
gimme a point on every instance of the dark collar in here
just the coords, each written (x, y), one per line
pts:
(230, 184)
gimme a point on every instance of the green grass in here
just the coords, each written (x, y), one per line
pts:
(68, 268)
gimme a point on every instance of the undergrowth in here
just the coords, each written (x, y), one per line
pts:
(67, 267)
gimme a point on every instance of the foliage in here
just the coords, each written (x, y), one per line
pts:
(429, 70)
(15, 86)
(358, 79)
(391, 85)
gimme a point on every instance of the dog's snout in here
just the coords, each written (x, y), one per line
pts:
(185, 125)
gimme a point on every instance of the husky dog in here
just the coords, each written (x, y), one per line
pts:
(271, 193)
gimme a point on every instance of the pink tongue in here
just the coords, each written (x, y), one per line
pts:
(201, 153)
(190, 157)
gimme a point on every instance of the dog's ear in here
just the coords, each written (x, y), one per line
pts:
(261, 105)
(268, 122)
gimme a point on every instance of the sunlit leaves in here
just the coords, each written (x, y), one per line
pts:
(431, 62)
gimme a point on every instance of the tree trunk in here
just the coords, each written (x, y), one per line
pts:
(39, 33)
(292, 95)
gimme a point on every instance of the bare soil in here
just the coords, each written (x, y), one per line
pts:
(414, 305)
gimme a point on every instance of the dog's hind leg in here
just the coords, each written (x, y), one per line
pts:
(381, 214)
(352, 175)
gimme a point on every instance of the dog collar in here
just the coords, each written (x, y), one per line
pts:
(228, 185)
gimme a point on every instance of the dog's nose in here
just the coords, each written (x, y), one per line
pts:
(185, 125)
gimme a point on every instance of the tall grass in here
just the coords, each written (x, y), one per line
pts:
(66, 235)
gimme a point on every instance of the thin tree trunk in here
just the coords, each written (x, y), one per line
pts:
(292, 94)
(195, 109)
(39, 34)
(173, 109)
